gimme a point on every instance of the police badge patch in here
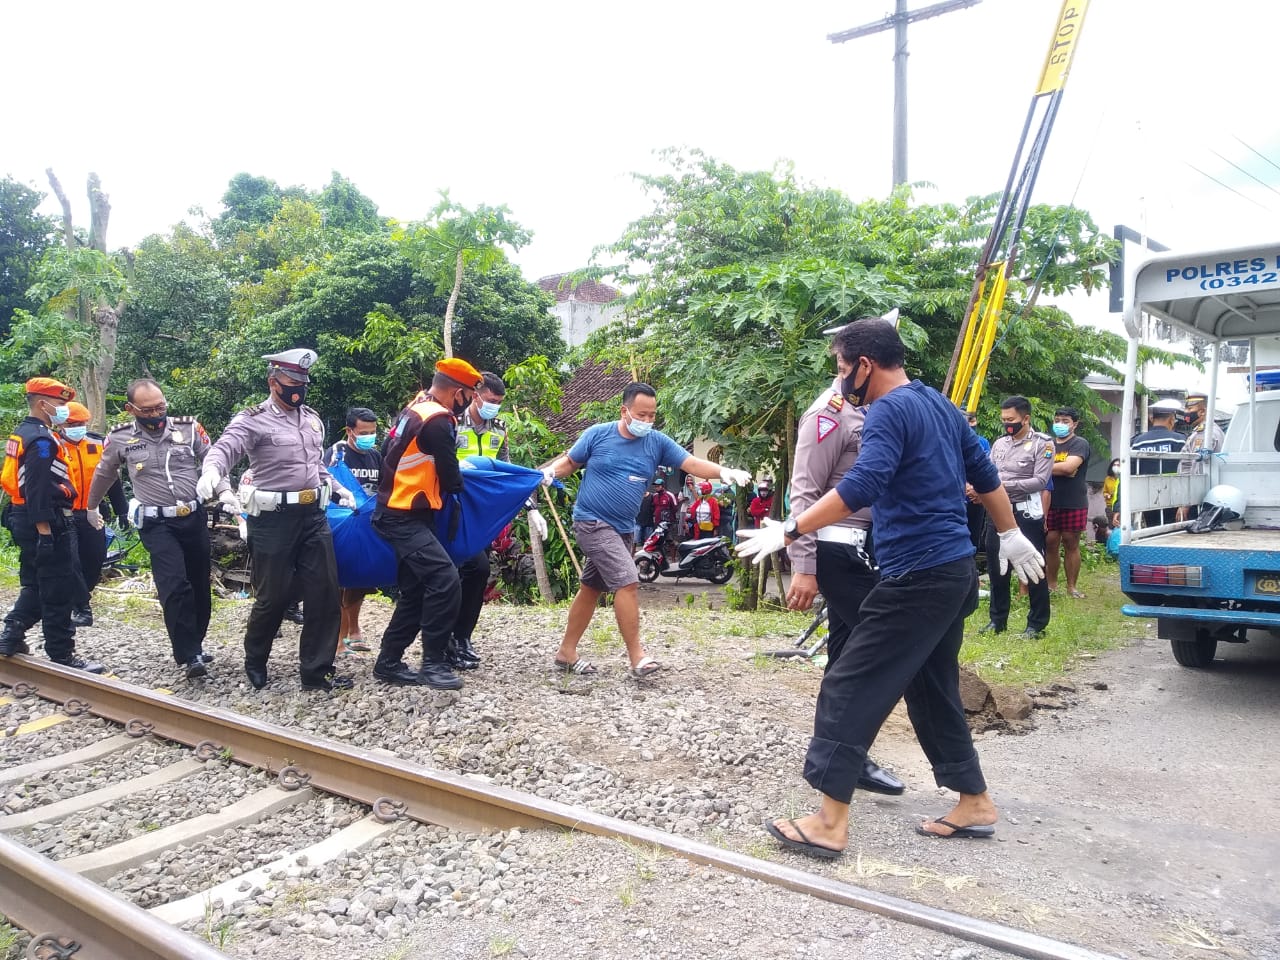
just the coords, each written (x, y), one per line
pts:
(826, 426)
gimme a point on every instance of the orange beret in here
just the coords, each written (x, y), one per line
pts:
(79, 413)
(49, 387)
(460, 372)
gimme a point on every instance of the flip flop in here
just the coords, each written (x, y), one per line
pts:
(815, 850)
(580, 667)
(646, 668)
(1075, 595)
(351, 645)
(958, 832)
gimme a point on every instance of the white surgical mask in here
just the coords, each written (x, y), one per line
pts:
(76, 434)
(59, 413)
(639, 428)
(489, 410)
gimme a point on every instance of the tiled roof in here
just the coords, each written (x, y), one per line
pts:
(589, 291)
(591, 382)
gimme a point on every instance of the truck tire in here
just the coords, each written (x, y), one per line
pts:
(1195, 653)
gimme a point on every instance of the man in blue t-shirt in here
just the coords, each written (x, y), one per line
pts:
(621, 458)
(917, 454)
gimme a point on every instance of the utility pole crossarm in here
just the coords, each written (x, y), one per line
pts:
(924, 13)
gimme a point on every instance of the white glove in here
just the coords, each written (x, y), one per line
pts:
(537, 524)
(548, 476)
(344, 497)
(1020, 553)
(739, 478)
(230, 502)
(760, 543)
(243, 528)
(204, 486)
(94, 517)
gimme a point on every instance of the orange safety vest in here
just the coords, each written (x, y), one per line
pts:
(414, 472)
(13, 473)
(82, 460)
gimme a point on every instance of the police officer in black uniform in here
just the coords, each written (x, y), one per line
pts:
(162, 455)
(39, 516)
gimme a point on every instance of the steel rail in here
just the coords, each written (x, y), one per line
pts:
(50, 901)
(436, 796)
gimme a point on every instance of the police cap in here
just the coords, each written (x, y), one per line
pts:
(1165, 406)
(292, 363)
(1197, 399)
(460, 372)
(49, 387)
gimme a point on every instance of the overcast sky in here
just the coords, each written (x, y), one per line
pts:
(548, 107)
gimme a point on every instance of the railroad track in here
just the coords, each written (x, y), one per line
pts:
(71, 916)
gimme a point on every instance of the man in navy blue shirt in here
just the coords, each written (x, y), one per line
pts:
(917, 454)
(621, 457)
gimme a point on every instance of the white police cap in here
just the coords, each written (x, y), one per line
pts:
(891, 316)
(1167, 405)
(294, 363)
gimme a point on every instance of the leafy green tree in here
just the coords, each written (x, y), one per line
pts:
(24, 237)
(346, 208)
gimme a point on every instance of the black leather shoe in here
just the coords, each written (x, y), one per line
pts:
(206, 657)
(1031, 633)
(993, 627)
(466, 652)
(328, 682)
(195, 668)
(461, 655)
(293, 613)
(82, 617)
(438, 675)
(11, 642)
(257, 675)
(876, 780)
(76, 663)
(399, 673)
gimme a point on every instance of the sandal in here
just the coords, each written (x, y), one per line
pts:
(646, 668)
(1075, 594)
(579, 667)
(355, 645)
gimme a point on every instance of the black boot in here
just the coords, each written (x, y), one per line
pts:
(436, 673)
(257, 674)
(462, 655)
(13, 640)
(82, 616)
(78, 663)
(293, 613)
(396, 672)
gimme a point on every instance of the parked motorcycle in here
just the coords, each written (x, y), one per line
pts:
(706, 559)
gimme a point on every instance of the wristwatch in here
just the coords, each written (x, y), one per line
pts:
(789, 529)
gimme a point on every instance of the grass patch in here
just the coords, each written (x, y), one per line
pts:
(502, 945)
(10, 938)
(1076, 626)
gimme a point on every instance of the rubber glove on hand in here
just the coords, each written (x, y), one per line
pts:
(537, 525)
(230, 503)
(1020, 553)
(94, 517)
(548, 476)
(739, 478)
(344, 497)
(205, 485)
(758, 544)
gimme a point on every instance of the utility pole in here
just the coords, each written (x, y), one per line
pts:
(898, 20)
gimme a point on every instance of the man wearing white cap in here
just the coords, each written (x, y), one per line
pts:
(1161, 438)
(290, 545)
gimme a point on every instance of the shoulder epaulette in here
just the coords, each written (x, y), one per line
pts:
(183, 419)
(252, 411)
(1040, 436)
(836, 402)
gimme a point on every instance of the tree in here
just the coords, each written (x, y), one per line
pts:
(24, 237)
(346, 208)
(456, 238)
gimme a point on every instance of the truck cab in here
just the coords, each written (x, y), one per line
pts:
(1203, 588)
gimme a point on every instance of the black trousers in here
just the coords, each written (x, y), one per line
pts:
(91, 550)
(291, 550)
(907, 643)
(474, 576)
(1038, 593)
(976, 517)
(48, 582)
(845, 580)
(179, 548)
(430, 593)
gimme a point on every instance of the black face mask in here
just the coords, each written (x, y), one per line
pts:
(293, 396)
(151, 423)
(1011, 429)
(460, 407)
(859, 394)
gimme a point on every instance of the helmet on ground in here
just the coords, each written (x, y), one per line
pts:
(1223, 505)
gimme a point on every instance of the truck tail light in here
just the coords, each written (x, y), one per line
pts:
(1176, 575)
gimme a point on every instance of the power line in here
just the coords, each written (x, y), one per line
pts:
(1225, 187)
(1255, 152)
(1244, 171)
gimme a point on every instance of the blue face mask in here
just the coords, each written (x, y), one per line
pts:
(60, 413)
(639, 428)
(76, 434)
(1060, 430)
(489, 410)
(366, 441)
